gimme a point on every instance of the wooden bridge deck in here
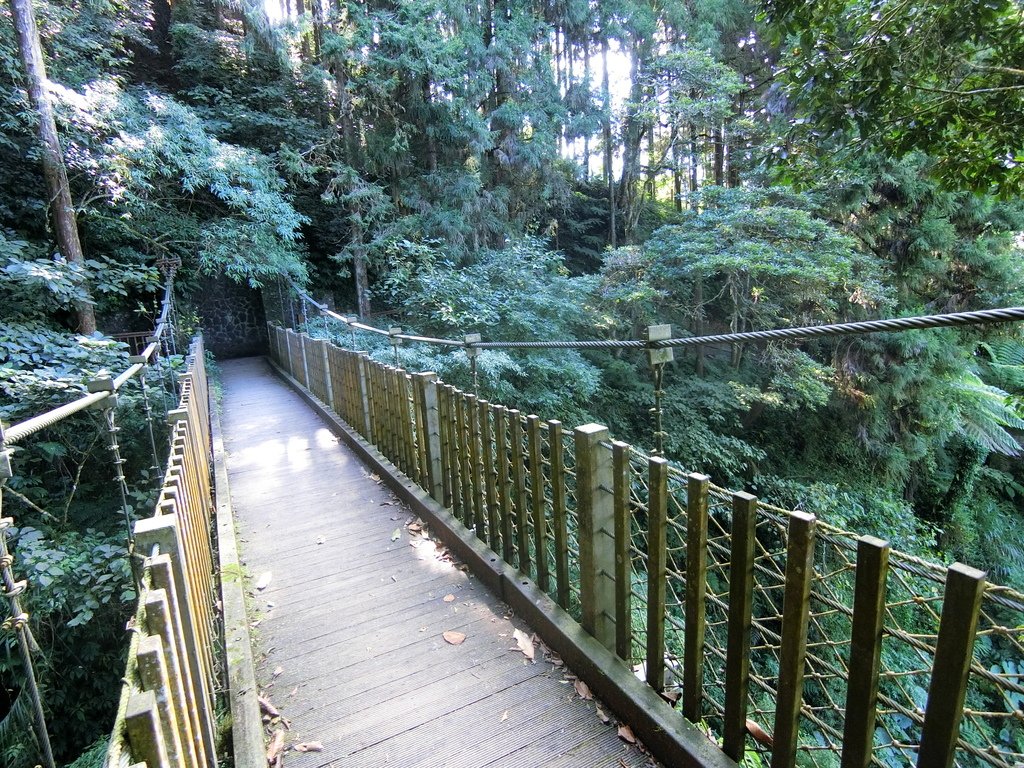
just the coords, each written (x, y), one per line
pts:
(351, 621)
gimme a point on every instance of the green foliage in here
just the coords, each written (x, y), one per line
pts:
(934, 76)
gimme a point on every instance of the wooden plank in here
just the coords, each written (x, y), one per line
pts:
(696, 594)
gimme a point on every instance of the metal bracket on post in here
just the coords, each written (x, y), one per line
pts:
(472, 353)
(396, 342)
(103, 383)
(657, 357)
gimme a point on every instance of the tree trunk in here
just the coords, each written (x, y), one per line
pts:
(693, 157)
(362, 281)
(720, 155)
(61, 208)
(609, 175)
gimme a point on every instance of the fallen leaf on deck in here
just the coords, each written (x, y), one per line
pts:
(449, 598)
(278, 671)
(267, 707)
(309, 746)
(264, 580)
(394, 578)
(387, 503)
(375, 477)
(320, 539)
(293, 691)
(453, 638)
(582, 690)
(396, 534)
(603, 716)
(276, 746)
(415, 527)
(626, 734)
(524, 642)
(504, 716)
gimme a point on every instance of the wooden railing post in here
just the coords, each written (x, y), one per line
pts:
(596, 510)
(793, 646)
(142, 723)
(328, 381)
(540, 527)
(558, 517)
(954, 652)
(162, 532)
(303, 339)
(426, 388)
(504, 484)
(362, 363)
(286, 363)
(159, 624)
(657, 564)
(153, 673)
(623, 561)
(518, 490)
(487, 451)
(865, 652)
(696, 591)
(741, 609)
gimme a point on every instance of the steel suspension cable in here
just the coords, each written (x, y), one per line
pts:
(921, 322)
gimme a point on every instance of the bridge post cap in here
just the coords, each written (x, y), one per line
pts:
(659, 355)
(102, 383)
(591, 429)
(134, 359)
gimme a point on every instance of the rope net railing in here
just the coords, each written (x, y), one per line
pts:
(97, 406)
(777, 634)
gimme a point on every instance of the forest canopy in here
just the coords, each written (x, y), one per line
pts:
(539, 170)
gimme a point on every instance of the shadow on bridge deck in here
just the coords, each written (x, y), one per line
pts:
(351, 621)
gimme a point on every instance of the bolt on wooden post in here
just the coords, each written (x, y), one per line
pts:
(596, 509)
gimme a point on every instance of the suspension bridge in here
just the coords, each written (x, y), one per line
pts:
(364, 565)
